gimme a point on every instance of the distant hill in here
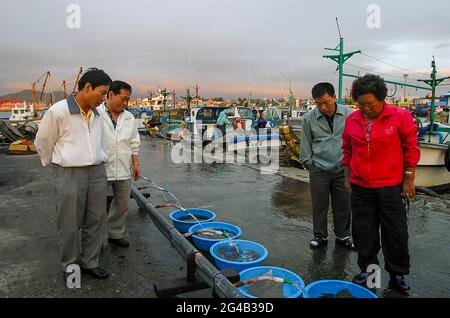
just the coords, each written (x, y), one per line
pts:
(27, 96)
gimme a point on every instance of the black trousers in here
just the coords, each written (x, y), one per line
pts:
(323, 185)
(376, 210)
(223, 129)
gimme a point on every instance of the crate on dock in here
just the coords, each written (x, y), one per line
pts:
(22, 147)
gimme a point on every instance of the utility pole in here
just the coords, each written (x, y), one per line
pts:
(340, 58)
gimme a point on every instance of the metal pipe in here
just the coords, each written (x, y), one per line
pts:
(203, 269)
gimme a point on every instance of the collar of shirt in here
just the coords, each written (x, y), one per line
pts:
(338, 111)
(74, 107)
(86, 116)
(114, 122)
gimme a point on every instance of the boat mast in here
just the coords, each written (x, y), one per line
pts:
(33, 92)
(197, 89)
(340, 58)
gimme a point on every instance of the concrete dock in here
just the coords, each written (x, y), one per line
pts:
(274, 210)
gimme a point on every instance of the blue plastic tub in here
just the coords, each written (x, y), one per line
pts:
(242, 246)
(321, 287)
(204, 243)
(294, 290)
(183, 226)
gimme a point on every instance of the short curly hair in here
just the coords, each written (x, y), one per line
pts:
(369, 84)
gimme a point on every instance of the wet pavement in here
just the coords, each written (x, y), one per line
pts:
(272, 210)
(275, 211)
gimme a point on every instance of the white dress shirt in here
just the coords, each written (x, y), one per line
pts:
(119, 144)
(67, 139)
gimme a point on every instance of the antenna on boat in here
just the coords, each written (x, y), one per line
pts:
(339, 29)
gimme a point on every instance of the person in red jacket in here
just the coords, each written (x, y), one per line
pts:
(380, 155)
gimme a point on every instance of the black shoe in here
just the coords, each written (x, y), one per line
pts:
(347, 243)
(398, 282)
(96, 272)
(318, 242)
(119, 242)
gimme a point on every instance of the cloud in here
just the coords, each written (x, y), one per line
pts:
(227, 46)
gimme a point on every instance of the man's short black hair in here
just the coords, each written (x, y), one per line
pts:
(116, 86)
(369, 84)
(321, 89)
(94, 76)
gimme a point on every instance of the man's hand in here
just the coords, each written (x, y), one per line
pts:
(136, 172)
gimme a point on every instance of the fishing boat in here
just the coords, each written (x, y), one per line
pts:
(433, 169)
(23, 113)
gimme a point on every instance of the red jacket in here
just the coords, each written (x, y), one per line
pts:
(392, 147)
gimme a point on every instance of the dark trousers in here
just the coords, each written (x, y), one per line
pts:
(324, 184)
(223, 129)
(373, 208)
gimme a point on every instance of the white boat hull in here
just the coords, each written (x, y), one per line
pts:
(431, 171)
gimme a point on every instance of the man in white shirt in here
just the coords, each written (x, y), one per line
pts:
(121, 143)
(69, 137)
